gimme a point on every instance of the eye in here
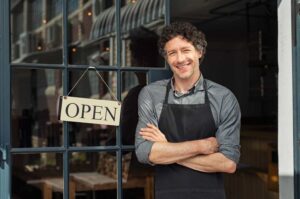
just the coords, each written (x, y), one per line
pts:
(186, 50)
(171, 53)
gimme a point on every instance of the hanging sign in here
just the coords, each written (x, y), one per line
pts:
(75, 109)
(93, 111)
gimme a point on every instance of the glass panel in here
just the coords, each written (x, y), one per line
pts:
(132, 83)
(138, 183)
(92, 37)
(94, 174)
(37, 176)
(36, 28)
(91, 86)
(140, 22)
(73, 5)
(34, 117)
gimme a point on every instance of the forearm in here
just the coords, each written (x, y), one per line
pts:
(168, 153)
(215, 162)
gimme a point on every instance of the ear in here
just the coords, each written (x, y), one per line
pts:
(199, 53)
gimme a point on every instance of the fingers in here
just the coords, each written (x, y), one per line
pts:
(213, 145)
(152, 126)
(149, 138)
(147, 134)
(152, 133)
(152, 129)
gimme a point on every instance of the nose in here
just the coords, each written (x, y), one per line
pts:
(180, 57)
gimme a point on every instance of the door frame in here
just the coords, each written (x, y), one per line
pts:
(5, 114)
(296, 90)
(5, 102)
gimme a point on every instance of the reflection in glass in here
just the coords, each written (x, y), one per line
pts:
(36, 28)
(139, 182)
(37, 176)
(93, 36)
(91, 86)
(86, 20)
(141, 21)
(72, 5)
(94, 174)
(132, 82)
(34, 116)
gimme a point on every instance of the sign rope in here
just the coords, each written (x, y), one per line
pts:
(92, 67)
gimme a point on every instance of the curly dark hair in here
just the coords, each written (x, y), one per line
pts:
(187, 31)
(143, 46)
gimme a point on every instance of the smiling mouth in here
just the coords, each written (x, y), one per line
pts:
(182, 66)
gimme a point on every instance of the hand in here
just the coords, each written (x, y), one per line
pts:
(211, 145)
(152, 133)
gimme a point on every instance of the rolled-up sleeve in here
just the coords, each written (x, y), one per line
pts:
(228, 132)
(146, 115)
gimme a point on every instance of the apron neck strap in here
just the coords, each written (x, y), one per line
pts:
(167, 92)
(205, 90)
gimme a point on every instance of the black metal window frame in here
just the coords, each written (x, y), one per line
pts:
(5, 99)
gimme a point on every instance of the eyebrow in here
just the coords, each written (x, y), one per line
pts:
(182, 48)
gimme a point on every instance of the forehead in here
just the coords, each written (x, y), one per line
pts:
(177, 43)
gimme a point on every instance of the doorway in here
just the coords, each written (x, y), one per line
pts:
(242, 55)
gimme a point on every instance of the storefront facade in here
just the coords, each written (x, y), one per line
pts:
(45, 46)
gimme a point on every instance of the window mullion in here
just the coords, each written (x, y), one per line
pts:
(65, 90)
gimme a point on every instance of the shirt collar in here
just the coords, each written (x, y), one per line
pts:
(197, 87)
(199, 84)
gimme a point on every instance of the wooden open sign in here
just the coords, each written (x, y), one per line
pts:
(94, 111)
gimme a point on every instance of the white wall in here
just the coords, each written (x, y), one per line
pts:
(285, 102)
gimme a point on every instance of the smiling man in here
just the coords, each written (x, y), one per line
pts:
(189, 127)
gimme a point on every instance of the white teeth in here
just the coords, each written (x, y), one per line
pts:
(182, 65)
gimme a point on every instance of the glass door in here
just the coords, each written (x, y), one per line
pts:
(49, 46)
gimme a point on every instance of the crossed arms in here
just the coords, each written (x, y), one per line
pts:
(219, 154)
(201, 155)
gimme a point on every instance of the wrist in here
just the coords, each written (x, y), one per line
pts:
(205, 147)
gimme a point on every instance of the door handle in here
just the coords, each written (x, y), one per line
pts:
(3, 153)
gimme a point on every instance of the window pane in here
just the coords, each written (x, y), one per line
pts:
(94, 174)
(91, 86)
(132, 83)
(35, 9)
(37, 176)
(141, 21)
(36, 28)
(72, 5)
(54, 9)
(139, 182)
(34, 116)
(92, 33)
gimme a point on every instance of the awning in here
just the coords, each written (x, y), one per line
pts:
(133, 15)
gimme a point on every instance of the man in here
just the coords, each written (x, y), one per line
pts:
(188, 126)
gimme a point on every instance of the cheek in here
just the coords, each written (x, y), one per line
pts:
(170, 61)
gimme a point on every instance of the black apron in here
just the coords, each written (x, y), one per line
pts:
(182, 123)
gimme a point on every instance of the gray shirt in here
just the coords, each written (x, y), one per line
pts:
(223, 104)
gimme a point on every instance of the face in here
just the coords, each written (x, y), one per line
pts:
(183, 59)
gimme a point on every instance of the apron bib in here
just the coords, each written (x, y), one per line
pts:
(183, 123)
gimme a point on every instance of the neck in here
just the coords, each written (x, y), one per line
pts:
(183, 86)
